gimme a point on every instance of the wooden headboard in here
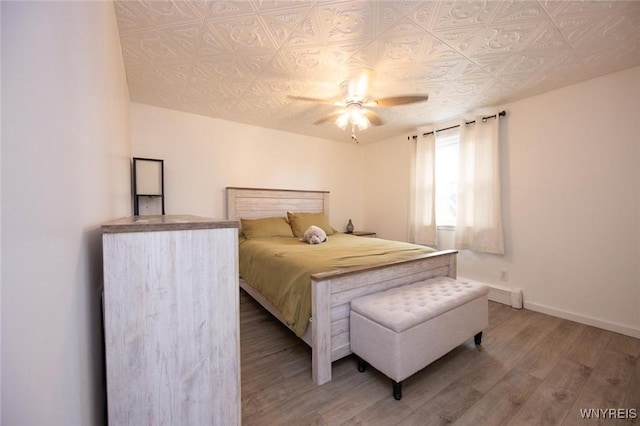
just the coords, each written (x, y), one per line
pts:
(255, 203)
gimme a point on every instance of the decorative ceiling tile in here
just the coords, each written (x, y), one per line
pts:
(505, 39)
(493, 64)
(246, 34)
(401, 50)
(268, 5)
(163, 96)
(462, 39)
(151, 76)
(548, 37)
(308, 61)
(347, 21)
(307, 33)
(403, 27)
(283, 23)
(191, 38)
(575, 28)
(154, 47)
(225, 68)
(569, 64)
(370, 55)
(468, 88)
(519, 10)
(471, 70)
(581, 7)
(505, 87)
(178, 73)
(529, 63)
(209, 44)
(423, 14)
(241, 60)
(278, 88)
(201, 75)
(129, 20)
(160, 13)
(551, 6)
(273, 66)
(212, 9)
(616, 30)
(391, 12)
(434, 71)
(454, 14)
(610, 60)
(202, 95)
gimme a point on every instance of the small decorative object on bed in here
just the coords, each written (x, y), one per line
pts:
(309, 287)
(349, 227)
(302, 221)
(314, 235)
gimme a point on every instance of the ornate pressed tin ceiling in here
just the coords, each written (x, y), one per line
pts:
(238, 60)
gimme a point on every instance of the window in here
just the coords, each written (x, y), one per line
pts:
(447, 178)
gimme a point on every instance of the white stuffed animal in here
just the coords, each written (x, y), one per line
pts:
(314, 235)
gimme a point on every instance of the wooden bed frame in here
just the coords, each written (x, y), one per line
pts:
(331, 292)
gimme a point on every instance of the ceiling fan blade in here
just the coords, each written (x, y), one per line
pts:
(328, 117)
(373, 118)
(400, 100)
(317, 100)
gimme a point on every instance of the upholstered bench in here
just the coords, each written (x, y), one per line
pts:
(402, 330)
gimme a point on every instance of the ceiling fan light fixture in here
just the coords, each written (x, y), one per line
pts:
(360, 120)
(354, 115)
(343, 120)
(355, 102)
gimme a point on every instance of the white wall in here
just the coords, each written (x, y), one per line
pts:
(204, 155)
(386, 189)
(571, 201)
(65, 170)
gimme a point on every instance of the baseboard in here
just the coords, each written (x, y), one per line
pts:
(615, 327)
(507, 296)
(510, 296)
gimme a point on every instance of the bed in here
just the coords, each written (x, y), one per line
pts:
(331, 291)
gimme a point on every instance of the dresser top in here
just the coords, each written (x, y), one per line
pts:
(165, 223)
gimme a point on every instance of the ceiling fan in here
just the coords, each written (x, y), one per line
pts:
(354, 103)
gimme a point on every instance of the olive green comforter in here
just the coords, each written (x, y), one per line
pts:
(281, 267)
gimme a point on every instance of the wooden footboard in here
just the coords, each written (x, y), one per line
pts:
(332, 293)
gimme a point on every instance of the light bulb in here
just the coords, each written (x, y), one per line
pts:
(343, 120)
(359, 119)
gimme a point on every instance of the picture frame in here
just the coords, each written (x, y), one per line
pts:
(148, 186)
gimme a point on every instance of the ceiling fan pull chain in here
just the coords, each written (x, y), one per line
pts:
(353, 133)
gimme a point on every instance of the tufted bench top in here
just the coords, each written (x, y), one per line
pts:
(403, 307)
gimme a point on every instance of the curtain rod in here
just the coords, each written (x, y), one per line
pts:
(501, 114)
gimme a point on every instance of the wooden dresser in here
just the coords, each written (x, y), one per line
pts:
(171, 315)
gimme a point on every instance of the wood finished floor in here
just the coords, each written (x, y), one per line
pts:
(531, 369)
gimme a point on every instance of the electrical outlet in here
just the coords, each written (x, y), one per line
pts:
(504, 275)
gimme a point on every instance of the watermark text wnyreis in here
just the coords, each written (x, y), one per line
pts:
(609, 413)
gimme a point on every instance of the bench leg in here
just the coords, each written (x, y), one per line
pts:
(362, 364)
(397, 390)
(478, 338)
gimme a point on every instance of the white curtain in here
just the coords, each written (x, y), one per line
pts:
(479, 217)
(422, 209)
